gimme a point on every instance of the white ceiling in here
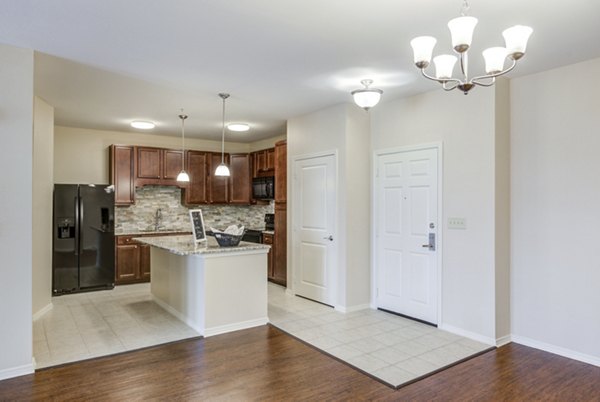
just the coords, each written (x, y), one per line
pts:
(104, 63)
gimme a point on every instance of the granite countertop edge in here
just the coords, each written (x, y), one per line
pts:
(146, 232)
(184, 246)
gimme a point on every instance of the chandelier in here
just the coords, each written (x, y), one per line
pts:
(461, 30)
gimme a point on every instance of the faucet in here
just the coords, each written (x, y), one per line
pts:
(158, 219)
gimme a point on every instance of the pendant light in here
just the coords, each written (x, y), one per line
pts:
(222, 169)
(366, 97)
(183, 176)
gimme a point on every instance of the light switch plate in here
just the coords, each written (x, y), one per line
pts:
(457, 223)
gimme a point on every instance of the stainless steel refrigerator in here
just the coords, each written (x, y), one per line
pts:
(83, 243)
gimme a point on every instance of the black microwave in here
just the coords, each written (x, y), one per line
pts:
(263, 188)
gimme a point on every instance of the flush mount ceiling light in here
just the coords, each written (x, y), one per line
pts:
(183, 176)
(461, 30)
(143, 125)
(222, 169)
(367, 97)
(238, 127)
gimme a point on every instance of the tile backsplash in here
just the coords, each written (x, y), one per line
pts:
(148, 199)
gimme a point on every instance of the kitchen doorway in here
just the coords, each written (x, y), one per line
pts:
(314, 223)
(407, 215)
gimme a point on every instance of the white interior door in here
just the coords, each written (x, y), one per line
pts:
(406, 209)
(313, 222)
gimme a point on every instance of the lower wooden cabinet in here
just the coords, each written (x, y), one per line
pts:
(132, 263)
(267, 238)
(280, 245)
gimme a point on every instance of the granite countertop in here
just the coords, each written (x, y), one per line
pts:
(184, 245)
(142, 232)
(271, 232)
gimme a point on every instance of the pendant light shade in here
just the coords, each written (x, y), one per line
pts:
(367, 97)
(222, 170)
(183, 176)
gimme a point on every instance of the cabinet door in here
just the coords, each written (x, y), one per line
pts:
(121, 175)
(172, 164)
(149, 163)
(128, 263)
(281, 171)
(280, 244)
(261, 161)
(268, 239)
(270, 159)
(144, 250)
(239, 181)
(197, 167)
(219, 185)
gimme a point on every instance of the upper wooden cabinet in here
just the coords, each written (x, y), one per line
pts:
(157, 166)
(197, 165)
(263, 163)
(218, 186)
(281, 171)
(240, 184)
(122, 159)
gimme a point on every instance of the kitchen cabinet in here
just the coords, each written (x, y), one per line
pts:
(218, 185)
(197, 164)
(157, 166)
(280, 245)
(121, 173)
(132, 259)
(268, 239)
(281, 171)
(127, 269)
(240, 185)
(263, 163)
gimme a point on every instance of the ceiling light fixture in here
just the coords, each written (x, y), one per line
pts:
(367, 97)
(143, 125)
(238, 127)
(222, 169)
(461, 30)
(183, 176)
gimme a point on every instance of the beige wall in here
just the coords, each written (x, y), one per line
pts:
(265, 144)
(344, 129)
(555, 199)
(43, 155)
(502, 207)
(81, 155)
(466, 127)
(16, 106)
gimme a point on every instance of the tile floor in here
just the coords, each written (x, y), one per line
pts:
(86, 325)
(394, 349)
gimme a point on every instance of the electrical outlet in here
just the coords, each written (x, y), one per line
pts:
(457, 223)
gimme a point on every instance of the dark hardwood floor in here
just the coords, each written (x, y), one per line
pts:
(265, 364)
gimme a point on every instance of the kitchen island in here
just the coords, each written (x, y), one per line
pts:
(212, 289)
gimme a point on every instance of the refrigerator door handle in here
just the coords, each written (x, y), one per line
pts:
(76, 206)
(80, 222)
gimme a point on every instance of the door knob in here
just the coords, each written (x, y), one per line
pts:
(330, 238)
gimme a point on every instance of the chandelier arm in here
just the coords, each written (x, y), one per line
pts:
(477, 80)
(457, 81)
(447, 88)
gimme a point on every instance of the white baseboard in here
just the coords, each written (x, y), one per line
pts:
(557, 350)
(42, 311)
(192, 324)
(17, 371)
(503, 340)
(235, 327)
(352, 309)
(289, 292)
(468, 334)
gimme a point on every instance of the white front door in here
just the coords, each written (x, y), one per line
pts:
(406, 219)
(313, 222)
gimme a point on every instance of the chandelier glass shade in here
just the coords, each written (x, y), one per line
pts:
(461, 31)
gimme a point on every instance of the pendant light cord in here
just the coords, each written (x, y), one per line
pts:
(182, 117)
(223, 96)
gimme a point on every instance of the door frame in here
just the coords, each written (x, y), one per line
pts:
(440, 223)
(294, 218)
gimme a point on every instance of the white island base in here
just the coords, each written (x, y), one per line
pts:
(213, 292)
